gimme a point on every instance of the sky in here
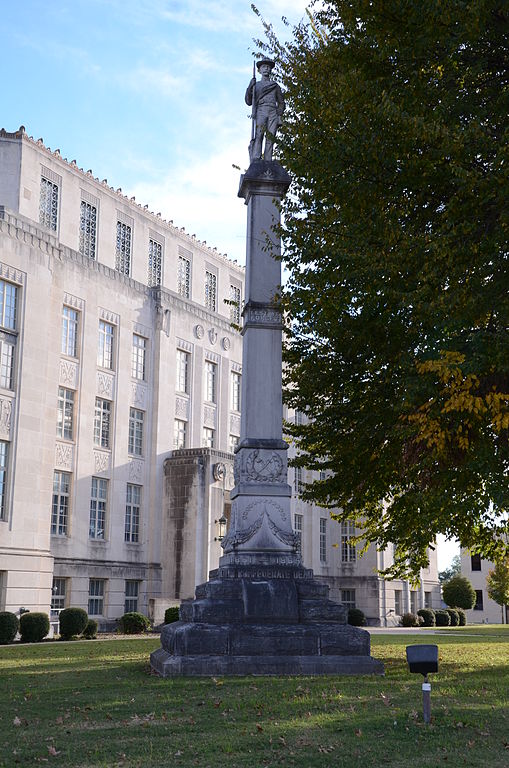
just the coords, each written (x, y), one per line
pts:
(148, 94)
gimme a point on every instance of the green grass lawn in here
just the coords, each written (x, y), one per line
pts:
(92, 704)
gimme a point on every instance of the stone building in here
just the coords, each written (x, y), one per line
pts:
(120, 381)
(485, 610)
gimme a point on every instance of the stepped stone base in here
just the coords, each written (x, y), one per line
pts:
(261, 625)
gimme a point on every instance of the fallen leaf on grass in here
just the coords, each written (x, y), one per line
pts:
(358, 732)
(259, 727)
(52, 751)
(16, 721)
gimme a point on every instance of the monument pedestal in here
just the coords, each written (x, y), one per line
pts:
(262, 612)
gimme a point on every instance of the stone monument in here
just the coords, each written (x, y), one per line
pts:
(262, 612)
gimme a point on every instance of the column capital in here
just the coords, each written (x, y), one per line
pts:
(264, 177)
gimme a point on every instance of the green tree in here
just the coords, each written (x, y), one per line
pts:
(458, 592)
(452, 570)
(497, 582)
(395, 231)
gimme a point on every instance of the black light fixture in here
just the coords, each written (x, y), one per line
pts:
(222, 528)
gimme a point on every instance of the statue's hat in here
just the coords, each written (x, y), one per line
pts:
(265, 61)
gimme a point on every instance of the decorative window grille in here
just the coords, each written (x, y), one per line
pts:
(4, 455)
(398, 602)
(60, 506)
(58, 595)
(235, 306)
(8, 305)
(131, 596)
(234, 441)
(132, 513)
(179, 434)
(348, 552)
(323, 540)
(135, 443)
(208, 437)
(123, 249)
(297, 480)
(138, 359)
(182, 382)
(98, 497)
(297, 527)
(184, 277)
(211, 291)
(65, 413)
(102, 422)
(348, 597)
(69, 332)
(155, 262)
(210, 381)
(7, 348)
(105, 348)
(96, 597)
(235, 391)
(414, 598)
(48, 204)
(88, 229)
(479, 605)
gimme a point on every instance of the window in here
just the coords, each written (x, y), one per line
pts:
(427, 599)
(414, 601)
(234, 441)
(323, 539)
(235, 306)
(184, 277)
(297, 526)
(210, 381)
(123, 249)
(7, 348)
(210, 291)
(182, 382)
(208, 437)
(8, 305)
(398, 602)
(138, 358)
(88, 229)
(96, 597)
(132, 513)
(297, 480)
(475, 562)
(69, 332)
(299, 417)
(348, 553)
(60, 506)
(105, 348)
(179, 434)
(155, 263)
(136, 419)
(98, 498)
(4, 455)
(102, 422)
(348, 597)
(58, 596)
(235, 391)
(48, 204)
(65, 413)
(323, 475)
(478, 600)
(131, 596)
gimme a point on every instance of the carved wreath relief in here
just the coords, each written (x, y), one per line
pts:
(260, 466)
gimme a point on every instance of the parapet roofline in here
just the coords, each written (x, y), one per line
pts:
(21, 134)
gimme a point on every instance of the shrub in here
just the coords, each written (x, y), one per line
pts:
(171, 614)
(72, 622)
(428, 617)
(9, 625)
(442, 619)
(462, 616)
(455, 619)
(356, 617)
(33, 627)
(410, 620)
(90, 631)
(459, 593)
(133, 623)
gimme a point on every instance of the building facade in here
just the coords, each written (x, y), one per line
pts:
(485, 610)
(120, 405)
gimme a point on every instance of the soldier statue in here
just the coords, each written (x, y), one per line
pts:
(268, 104)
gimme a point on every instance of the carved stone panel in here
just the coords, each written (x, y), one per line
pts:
(234, 424)
(209, 416)
(102, 461)
(182, 408)
(139, 395)
(68, 374)
(136, 471)
(105, 385)
(6, 405)
(261, 466)
(64, 455)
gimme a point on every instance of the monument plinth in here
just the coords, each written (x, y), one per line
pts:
(262, 612)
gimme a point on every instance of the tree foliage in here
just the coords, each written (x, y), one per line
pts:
(452, 570)
(497, 582)
(395, 231)
(458, 592)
